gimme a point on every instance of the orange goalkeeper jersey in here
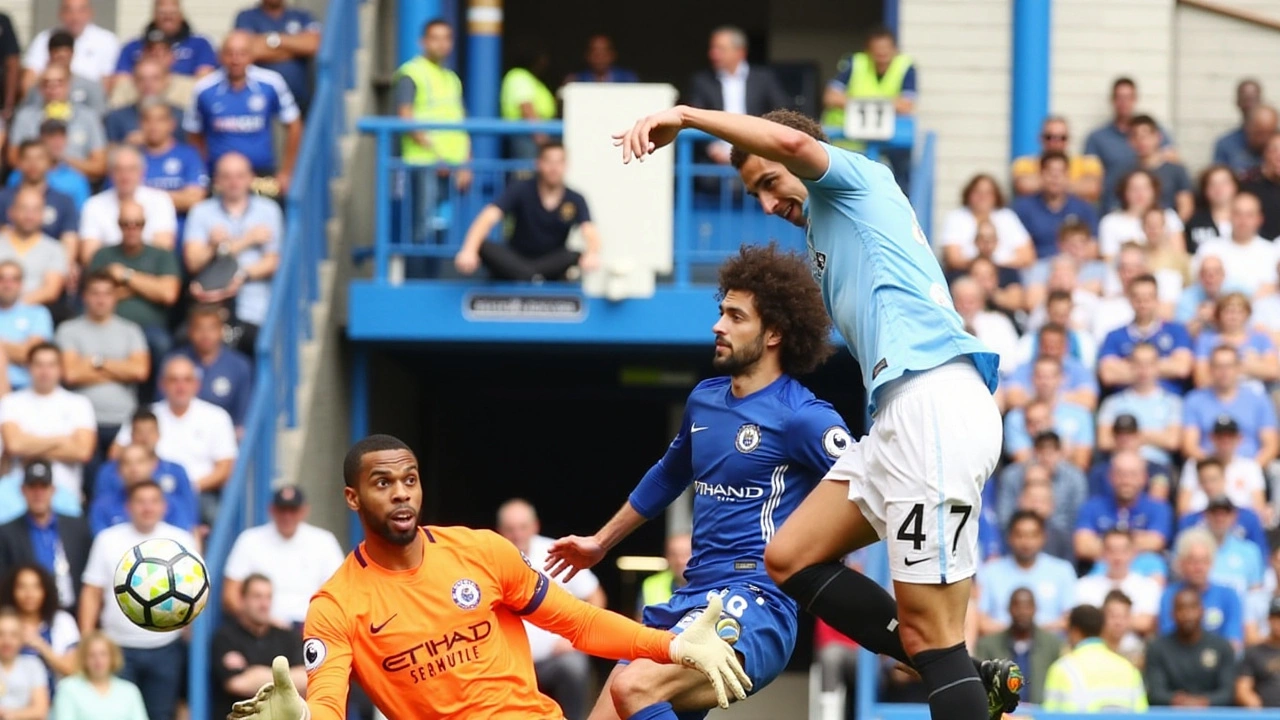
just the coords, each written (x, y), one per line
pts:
(446, 640)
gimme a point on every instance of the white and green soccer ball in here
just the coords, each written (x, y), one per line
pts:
(161, 585)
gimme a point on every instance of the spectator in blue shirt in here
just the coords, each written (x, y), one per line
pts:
(232, 110)
(1223, 609)
(172, 166)
(1240, 149)
(1044, 213)
(1051, 579)
(1251, 410)
(1211, 479)
(284, 40)
(1156, 412)
(1079, 385)
(123, 125)
(1073, 423)
(1115, 367)
(600, 58)
(144, 430)
(1258, 360)
(1125, 436)
(22, 326)
(1128, 507)
(57, 174)
(1110, 142)
(192, 53)
(137, 464)
(226, 375)
(1238, 563)
(61, 214)
(1046, 466)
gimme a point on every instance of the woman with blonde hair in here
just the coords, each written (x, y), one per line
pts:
(1258, 360)
(97, 692)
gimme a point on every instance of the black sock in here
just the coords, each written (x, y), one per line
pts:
(955, 690)
(853, 604)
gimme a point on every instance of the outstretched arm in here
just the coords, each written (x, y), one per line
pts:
(801, 154)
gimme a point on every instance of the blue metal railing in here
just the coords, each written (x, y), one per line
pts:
(712, 215)
(288, 323)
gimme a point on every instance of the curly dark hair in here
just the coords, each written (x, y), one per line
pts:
(48, 606)
(787, 300)
(782, 116)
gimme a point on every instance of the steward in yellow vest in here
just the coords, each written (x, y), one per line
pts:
(1091, 678)
(878, 72)
(426, 90)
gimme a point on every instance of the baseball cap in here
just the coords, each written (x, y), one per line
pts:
(288, 497)
(156, 36)
(1125, 423)
(1220, 502)
(37, 472)
(1274, 609)
(1225, 424)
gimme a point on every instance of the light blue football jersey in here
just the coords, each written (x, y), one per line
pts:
(880, 279)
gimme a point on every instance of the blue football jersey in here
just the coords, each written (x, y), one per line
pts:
(751, 461)
(879, 277)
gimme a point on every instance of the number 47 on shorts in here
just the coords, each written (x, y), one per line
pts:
(912, 530)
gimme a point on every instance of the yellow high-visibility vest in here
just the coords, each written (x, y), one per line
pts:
(438, 97)
(658, 588)
(1091, 678)
(864, 83)
(520, 86)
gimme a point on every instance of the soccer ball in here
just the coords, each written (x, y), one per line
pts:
(161, 585)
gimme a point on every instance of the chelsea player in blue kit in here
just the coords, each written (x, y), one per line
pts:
(752, 445)
(916, 479)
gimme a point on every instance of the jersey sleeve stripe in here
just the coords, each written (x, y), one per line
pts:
(539, 594)
(430, 538)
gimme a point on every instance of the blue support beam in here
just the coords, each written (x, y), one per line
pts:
(891, 16)
(484, 68)
(411, 16)
(359, 420)
(1029, 101)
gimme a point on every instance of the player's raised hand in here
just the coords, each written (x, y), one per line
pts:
(572, 553)
(701, 647)
(277, 700)
(649, 133)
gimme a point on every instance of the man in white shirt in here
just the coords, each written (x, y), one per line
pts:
(48, 421)
(296, 556)
(153, 661)
(1249, 261)
(97, 49)
(563, 673)
(1144, 592)
(100, 217)
(1241, 477)
(992, 328)
(195, 434)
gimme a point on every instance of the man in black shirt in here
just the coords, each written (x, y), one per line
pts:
(542, 212)
(10, 69)
(1264, 181)
(1259, 682)
(1190, 667)
(244, 647)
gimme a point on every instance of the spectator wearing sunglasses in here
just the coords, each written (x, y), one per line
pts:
(1084, 171)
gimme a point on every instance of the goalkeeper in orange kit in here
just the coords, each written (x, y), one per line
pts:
(429, 619)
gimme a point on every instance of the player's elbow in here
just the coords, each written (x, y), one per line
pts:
(794, 143)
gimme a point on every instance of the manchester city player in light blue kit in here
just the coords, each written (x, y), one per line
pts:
(752, 445)
(916, 479)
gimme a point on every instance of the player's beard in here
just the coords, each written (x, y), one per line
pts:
(740, 360)
(382, 526)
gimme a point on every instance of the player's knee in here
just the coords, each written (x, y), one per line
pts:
(632, 690)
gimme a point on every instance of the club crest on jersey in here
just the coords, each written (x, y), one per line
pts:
(835, 441)
(313, 653)
(257, 103)
(748, 438)
(466, 594)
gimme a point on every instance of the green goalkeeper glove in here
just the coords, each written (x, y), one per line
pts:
(277, 700)
(700, 647)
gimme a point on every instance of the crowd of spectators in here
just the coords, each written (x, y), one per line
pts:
(140, 227)
(1135, 311)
